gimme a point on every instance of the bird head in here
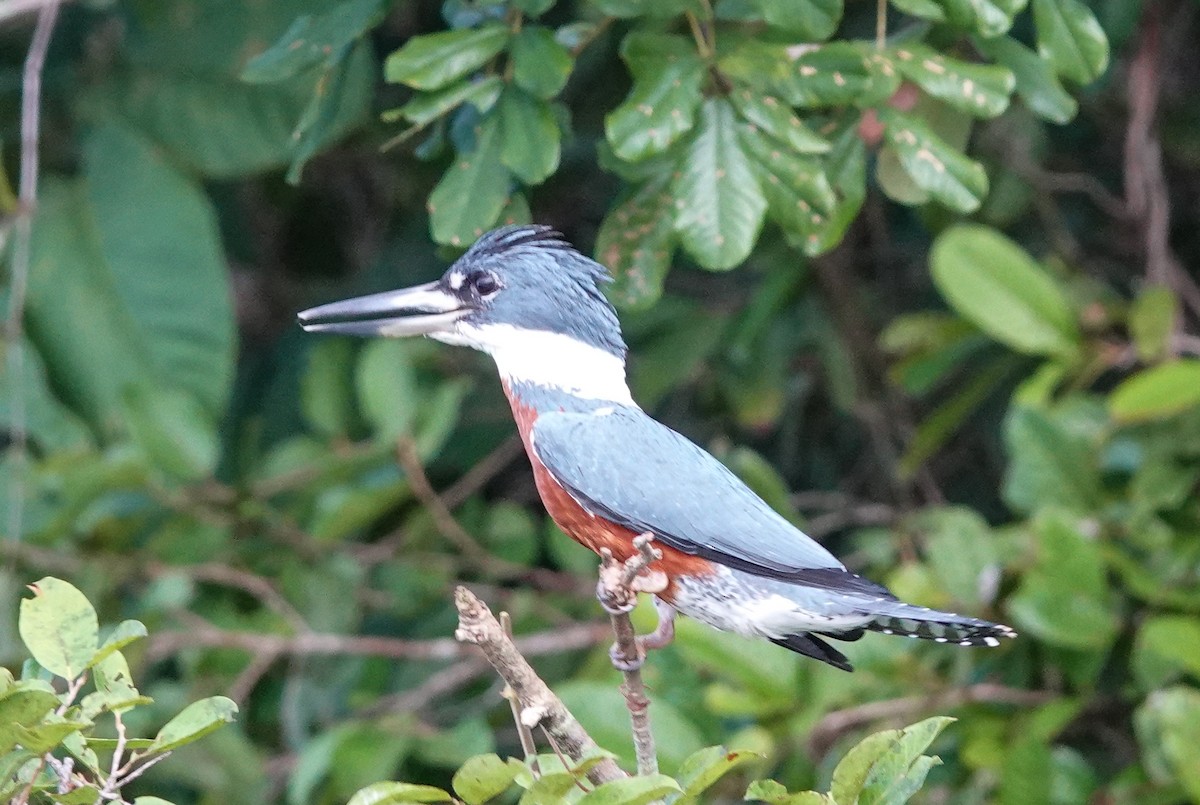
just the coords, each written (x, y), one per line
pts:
(516, 279)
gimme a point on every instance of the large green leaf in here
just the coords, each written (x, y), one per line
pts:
(765, 112)
(667, 78)
(59, 627)
(1157, 393)
(159, 240)
(839, 74)
(635, 242)
(530, 138)
(173, 430)
(799, 196)
(1036, 83)
(812, 20)
(48, 422)
(540, 64)
(472, 193)
(1069, 36)
(993, 283)
(1168, 731)
(433, 61)
(948, 174)
(1050, 464)
(311, 39)
(982, 90)
(719, 204)
(888, 767)
(987, 17)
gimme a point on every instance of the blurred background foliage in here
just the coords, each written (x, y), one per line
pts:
(959, 348)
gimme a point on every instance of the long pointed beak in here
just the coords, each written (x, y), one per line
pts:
(421, 310)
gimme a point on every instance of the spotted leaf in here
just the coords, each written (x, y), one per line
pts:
(719, 205)
(636, 241)
(1071, 38)
(776, 119)
(799, 196)
(473, 191)
(846, 168)
(840, 74)
(667, 79)
(1036, 83)
(949, 175)
(982, 90)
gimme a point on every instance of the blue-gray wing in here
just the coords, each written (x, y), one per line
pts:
(625, 466)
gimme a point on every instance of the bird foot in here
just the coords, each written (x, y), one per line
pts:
(626, 664)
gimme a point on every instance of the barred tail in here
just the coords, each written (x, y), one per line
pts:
(896, 617)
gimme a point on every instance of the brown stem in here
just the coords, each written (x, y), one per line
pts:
(539, 705)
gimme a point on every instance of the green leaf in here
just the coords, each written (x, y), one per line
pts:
(49, 423)
(1152, 321)
(887, 767)
(327, 387)
(435, 60)
(949, 175)
(22, 707)
(1158, 392)
(776, 119)
(148, 215)
(341, 510)
(636, 241)
(425, 107)
(387, 387)
(151, 800)
(774, 793)
(549, 789)
(483, 777)
(1168, 731)
(1167, 645)
(174, 431)
(719, 205)
(121, 636)
(530, 139)
(1036, 82)
(925, 9)
(1050, 464)
(541, 66)
(631, 790)
(47, 735)
(59, 627)
(661, 107)
(840, 74)
(993, 283)
(112, 676)
(1069, 36)
(310, 40)
(846, 168)
(702, 769)
(812, 20)
(799, 196)
(473, 192)
(194, 722)
(982, 90)
(387, 793)
(962, 551)
(641, 8)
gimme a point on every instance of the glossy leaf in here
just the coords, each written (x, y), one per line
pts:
(1069, 36)
(765, 112)
(1167, 646)
(1036, 83)
(703, 769)
(194, 722)
(530, 139)
(949, 175)
(541, 66)
(982, 90)
(398, 794)
(812, 20)
(426, 107)
(59, 627)
(433, 61)
(840, 73)
(719, 205)
(1158, 392)
(799, 196)
(483, 777)
(469, 198)
(846, 168)
(667, 78)
(631, 790)
(887, 767)
(311, 39)
(987, 17)
(993, 283)
(635, 243)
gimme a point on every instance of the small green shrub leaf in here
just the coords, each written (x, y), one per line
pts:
(311, 40)
(22, 707)
(993, 283)
(433, 61)
(1069, 36)
(636, 241)
(631, 791)
(945, 172)
(530, 138)
(426, 107)
(483, 777)
(887, 767)
(473, 192)
(774, 793)
(541, 65)
(59, 627)
(982, 90)
(1152, 321)
(1157, 393)
(767, 113)
(388, 793)
(194, 722)
(667, 78)
(1168, 731)
(704, 768)
(812, 20)
(1036, 82)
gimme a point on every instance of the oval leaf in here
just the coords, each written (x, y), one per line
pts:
(635, 242)
(994, 284)
(982, 90)
(1157, 393)
(948, 174)
(59, 627)
(631, 791)
(434, 60)
(540, 64)
(530, 138)
(194, 722)
(483, 777)
(1069, 36)
(667, 78)
(388, 793)
(473, 192)
(125, 633)
(1036, 82)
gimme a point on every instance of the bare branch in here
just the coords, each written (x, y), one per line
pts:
(523, 731)
(617, 590)
(539, 705)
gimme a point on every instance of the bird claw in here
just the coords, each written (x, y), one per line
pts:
(623, 663)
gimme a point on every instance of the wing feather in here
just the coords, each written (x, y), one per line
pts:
(625, 466)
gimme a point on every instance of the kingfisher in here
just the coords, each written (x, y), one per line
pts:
(607, 472)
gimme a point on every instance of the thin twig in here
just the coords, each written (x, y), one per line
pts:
(31, 104)
(839, 722)
(523, 731)
(617, 590)
(539, 705)
(482, 472)
(880, 24)
(441, 683)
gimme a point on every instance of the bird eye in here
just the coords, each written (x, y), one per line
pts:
(485, 284)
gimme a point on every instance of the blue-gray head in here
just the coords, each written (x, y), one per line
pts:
(521, 294)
